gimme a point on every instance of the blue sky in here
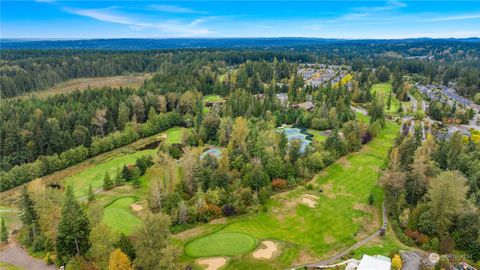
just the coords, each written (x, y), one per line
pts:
(162, 19)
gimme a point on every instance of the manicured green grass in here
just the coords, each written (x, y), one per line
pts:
(384, 89)
(212, 98)
(317, 135)
(6, 266)
(94, 175)
(335, 223)
(174, 135)
(220, 244)
(119, 216)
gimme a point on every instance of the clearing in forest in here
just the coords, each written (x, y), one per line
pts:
(384, 90)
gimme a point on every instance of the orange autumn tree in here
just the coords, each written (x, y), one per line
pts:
(119, 261)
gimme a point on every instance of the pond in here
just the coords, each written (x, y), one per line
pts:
(214, 152)
(299, 134)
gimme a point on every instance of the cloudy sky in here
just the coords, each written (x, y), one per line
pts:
(162, 19)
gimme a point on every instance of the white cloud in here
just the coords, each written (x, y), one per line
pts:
(171, 27)
(45, 1)
(364, 11)
(454, 18)
(391, 5)
(173, 9)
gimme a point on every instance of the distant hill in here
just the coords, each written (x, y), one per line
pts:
(178, 43)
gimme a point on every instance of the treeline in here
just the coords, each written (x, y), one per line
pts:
(44, 165)
(432, 191)
(25, 71)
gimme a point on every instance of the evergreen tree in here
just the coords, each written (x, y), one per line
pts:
(107, 182)
(73, 229)
(126, 246)
(28, 214)
(3, 232)
(91, 193)
(126, 174)
(118, 177)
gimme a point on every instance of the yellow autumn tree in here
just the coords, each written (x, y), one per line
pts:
(397, 262)
(119, 261)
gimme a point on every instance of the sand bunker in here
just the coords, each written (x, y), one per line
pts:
(136, 207)
(266, 252)
(213, 263)
(309, 200)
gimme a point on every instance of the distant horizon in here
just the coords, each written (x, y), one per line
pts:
(212, 38)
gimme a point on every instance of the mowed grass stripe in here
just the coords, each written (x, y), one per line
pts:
(334, 223)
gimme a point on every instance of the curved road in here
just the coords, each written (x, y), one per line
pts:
(332, 260)
(15, 255)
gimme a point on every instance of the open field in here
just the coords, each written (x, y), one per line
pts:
(340, 217)
(94, 175)
(132, 81)
(212, 98)
(115, 158)
(384, 89)
(318, 136)
(119, 215)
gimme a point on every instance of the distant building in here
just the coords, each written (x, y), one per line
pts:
(376, 262)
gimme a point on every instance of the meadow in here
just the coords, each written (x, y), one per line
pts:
(340, 218)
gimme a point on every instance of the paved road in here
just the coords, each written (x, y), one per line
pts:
(15, 255)
(411, 260)
(413, 100)
(332, 260)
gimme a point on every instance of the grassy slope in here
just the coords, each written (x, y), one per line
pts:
(94, 175)
(120, 217)
(317, 135)
(330, 227)
(384, 89)
(214, 98)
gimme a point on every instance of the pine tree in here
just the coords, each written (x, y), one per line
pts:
(3, 232)
(28, 214)
(118, 177)
(126, 246)
(126, 173)
(91, 194)
(107, 182)
(73, 229)
(119, 261)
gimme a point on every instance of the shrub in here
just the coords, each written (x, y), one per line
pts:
(228, 210)
(279, 184)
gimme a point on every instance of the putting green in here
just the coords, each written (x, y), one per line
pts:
(220, 244)
(120, 217)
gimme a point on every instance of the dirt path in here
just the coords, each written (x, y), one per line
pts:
(15, 255)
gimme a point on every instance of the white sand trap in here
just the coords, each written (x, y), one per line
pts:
(213, 263)
(266, 252)
(309, 200)
(136, 207)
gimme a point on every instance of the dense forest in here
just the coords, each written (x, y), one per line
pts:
(432, 186)
(24, 71)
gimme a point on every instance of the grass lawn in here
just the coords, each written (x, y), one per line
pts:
(10, 215)
(220, 244)
(119, 216)
(341, 217)
(212, 98)
(94, 175)
(174, 135)
(317, 135)
(384, 90)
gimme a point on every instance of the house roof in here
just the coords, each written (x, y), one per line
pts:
(370, 263)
